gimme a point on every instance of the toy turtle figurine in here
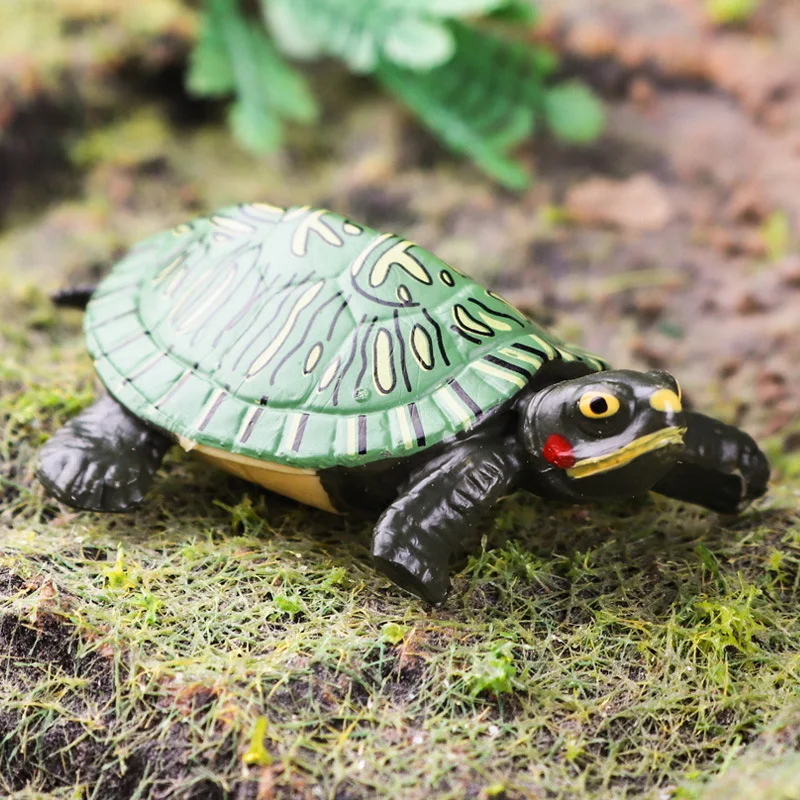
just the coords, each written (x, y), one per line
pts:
(354, 370)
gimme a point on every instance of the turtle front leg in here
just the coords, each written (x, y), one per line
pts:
(102, 460)
(432, 521)
(722, 468)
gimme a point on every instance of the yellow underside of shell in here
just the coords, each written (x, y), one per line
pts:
(299, 484)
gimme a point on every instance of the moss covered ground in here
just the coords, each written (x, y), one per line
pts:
(225, 642)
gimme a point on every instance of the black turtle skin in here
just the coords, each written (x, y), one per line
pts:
(104, 459)
(430, 504)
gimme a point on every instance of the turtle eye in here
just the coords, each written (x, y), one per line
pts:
(598, 405)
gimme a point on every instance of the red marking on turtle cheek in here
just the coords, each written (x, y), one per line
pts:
(558, 451)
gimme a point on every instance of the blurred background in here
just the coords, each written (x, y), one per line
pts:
(627, 171)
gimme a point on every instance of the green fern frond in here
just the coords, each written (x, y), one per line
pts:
(488, 98)
(481, 103)
(481, 94)
(516, 12)
(573, 113)
(410, 33)
(234, 56)
(210, 72)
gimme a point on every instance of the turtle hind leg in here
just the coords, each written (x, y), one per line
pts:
(73, 297)
(102, 460)
(722, 469)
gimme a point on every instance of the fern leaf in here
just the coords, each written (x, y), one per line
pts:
(296, 40)
(352, 31)
(410, 33)
(516, 12)
(254, 127)
(451, 9)
(267, 89)
(481, 103)
(419, 44)
(574, 114)
(210, 73)
(280, 87)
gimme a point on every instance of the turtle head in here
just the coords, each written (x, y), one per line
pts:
(609, 434)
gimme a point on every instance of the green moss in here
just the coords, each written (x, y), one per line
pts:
(494, 672)
(613, 648)
(777, 234)
(725, 12)
(88, 33)
(127, 142)
(256, 754)
(616, 649)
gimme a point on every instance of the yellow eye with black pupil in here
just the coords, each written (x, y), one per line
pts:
(598, 405)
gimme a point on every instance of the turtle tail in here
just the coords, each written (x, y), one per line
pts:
(73, 297)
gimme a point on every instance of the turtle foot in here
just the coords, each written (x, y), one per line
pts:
(103, 460)
(430, 582)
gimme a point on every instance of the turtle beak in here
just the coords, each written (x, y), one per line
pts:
(666, 437)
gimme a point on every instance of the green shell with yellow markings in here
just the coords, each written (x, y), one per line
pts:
(299, 337)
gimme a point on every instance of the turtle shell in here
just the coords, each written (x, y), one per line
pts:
(299, 337)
